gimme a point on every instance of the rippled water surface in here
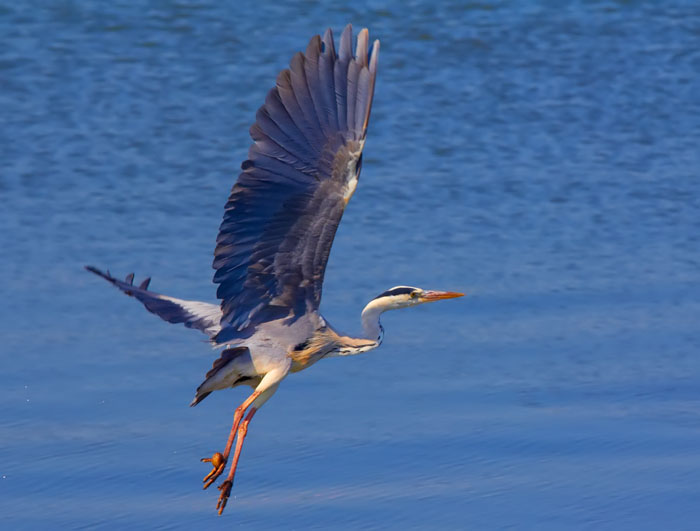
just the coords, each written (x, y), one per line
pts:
(541, 156)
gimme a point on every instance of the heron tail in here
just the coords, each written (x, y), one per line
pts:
(227, 371)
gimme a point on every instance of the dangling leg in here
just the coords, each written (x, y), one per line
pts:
(219, 460)
(225, 487)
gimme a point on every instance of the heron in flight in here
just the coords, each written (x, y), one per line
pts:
(276, 235)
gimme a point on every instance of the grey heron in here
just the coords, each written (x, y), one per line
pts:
(278, 227)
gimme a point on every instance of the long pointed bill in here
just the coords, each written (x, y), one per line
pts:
(430, 296)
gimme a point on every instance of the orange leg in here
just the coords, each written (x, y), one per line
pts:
(225, 487)
(219, 460)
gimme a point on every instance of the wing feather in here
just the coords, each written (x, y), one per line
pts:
(313, 82)
(327, 77)
(362, 44)
(351, 99)
(301, 93)
(266, 128)
(340, 77)
(193, 314)
(362, 98)
(289, 100)
(346, 44)
(284, 210)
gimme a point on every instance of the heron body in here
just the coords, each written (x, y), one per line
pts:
(275, 238)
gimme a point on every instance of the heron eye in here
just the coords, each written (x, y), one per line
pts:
(414, 294)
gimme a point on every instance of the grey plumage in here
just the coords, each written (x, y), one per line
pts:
(276, 235)
(193, 314)
(283, 212)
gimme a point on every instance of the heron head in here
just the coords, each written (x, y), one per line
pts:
(405, 296)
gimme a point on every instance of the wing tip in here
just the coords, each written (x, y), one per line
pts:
(328, 43)
(362, 45)
(314, 48)
(100, 273)
(346, 43)
(374, 57)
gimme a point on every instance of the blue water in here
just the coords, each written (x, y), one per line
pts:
(541, 156)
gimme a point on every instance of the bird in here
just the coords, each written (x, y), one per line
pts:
(275, 238)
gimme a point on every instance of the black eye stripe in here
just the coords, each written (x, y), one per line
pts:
(396, 291)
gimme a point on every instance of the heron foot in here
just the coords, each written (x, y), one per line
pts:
(225, 489)
(218, 461)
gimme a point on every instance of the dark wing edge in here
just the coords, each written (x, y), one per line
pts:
(283, 212)
(193, 314)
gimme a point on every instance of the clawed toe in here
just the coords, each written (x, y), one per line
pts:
(225, 489)
(219, 463)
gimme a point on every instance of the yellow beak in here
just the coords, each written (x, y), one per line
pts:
(430, 296)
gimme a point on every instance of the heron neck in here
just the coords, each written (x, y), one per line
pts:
(370, 322)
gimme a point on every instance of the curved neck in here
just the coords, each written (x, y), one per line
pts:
(370, 321)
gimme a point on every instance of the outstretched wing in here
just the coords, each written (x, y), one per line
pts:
(283, 212)
(193, 314)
